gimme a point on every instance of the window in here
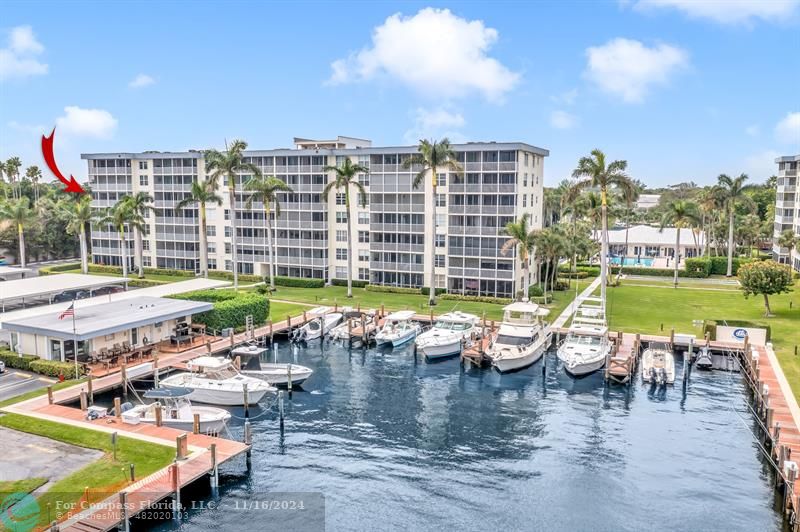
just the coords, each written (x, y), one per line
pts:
(440, 240)
(341, 217)
(524, 200)
(227, 247)
(441, 281)
(341, 253)
(364, 178)
(341, 235)
(227, 215)
(525, 180)
(142, 165)
(363, 236)
(143, 180)
(147, 261)
(212, 247)
(537, 180)
(227, 231)
(363, 217)
(341, 272)
(363, 255)
(363, 274)
(441, 200)
(145, 245)
(439, 261)
(441, 180)
(340, 198)
(211, 230)
(526, 159)
(363, 199)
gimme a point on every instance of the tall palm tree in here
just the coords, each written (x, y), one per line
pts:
(708, 201)
(550, 246)
(431, 157)
(344, 176)
(629, 196)
(788, 239)
(141, 204)
(593, 172)
(202, 193)
(80, 215)
(521, 238)
(13, 165)
(19, 213)
(226, 165)
(118, 216)
(732, 193)
(2, 177)
(34, 173)
(265, 189)
(679, 214)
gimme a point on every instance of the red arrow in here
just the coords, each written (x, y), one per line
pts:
(49, 158)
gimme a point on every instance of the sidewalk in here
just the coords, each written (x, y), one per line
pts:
(561, 320)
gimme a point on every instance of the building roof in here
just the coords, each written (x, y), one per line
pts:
(44, 285)
(652, 236)
(108, 318)
(788, 159)
(647, 201)
(13, 270)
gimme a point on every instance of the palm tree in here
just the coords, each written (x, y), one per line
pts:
(34, 173)
(708, 200)
(521, 237)
(80, 215)
(19, 213)
(788, 239)
(3, 172)
(344, 178)
(732, 193)
(550, 246)
(12, 171)
(431, 156)
(265, 189)
(679, 214)
(140, 204)
(629, 195)
(118, 216)
(226, 165)
(592, 172)
(202, 193)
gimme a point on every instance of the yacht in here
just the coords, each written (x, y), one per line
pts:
(177, 411)
(658, 364)
(398, 329)
(355, 325)
(587, 344)
(319, 324)
(446, 336)
(214, 380)
(522, 338)
(274, 373)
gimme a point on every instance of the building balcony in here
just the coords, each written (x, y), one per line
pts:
(396, 266)
(384, 246)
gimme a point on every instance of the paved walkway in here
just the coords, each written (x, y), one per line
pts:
(561, 320)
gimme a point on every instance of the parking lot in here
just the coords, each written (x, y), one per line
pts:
(15, 382)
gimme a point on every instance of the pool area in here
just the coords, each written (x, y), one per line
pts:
(394, 443)
(633, 261)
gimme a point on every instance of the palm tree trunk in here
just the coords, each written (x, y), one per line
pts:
(234, 246)
(84, 252)
(270, 256)
(622, 260)
(203, 241)
(137, 252)
(603, 246)
(768, 311)
(349, 242)
(730, 244)
(123, 252)
(525, 277)
(677, 252)
(432, 294)
(546, 278)
(22, 261)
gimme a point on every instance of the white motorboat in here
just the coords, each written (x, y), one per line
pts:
(522, 339)
(704, 360)
(658, 364)
(355, 325)
(447, 335)
(398, 329)
(274, 373)
(321, 321)
(177, 411)
(214, 380)
(587, 344)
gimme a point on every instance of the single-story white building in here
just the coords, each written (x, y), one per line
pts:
(136, 321)
(645, 241)
(7, 273)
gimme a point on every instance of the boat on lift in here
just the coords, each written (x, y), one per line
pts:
(448, 334)
(355, 325)
(177, 411)
(658, 364)
(703, 359)
(587, 345)
(522, 339)
(214, 380)
(277, 374)
(320, 322)
(398, 329)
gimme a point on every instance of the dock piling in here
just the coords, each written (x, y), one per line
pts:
(123, 374)
(159, 415)
(214, 469)
(155, 368)
(50, 395)
(196, 424)
(280, 408)
(176, 489)
(181, 446)
(84, 401)
(90, 388)
(133, 473)
(113, 446)
(289, 379)
(246, 403)
(117, 408)
(123, 503)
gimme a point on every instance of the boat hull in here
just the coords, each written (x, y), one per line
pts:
(528, 357)
(438, 351)
(212, 420)
(211, 396)
(278, 374)
(579, 369)
(396, 340)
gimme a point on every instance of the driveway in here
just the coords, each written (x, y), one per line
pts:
(15, 382)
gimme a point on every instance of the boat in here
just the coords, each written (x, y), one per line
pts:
(214, 380)
(321, 321)
(658, 364)
(398, 329)
(447, 336)
(177, 411)
(274, 373)
(355, 325)
(703, 359)
(522, 339)
(587, 345)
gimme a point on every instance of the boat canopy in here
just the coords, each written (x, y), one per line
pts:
(458, 317)
(401, 315)
(526, 307)
(207, 362)
(167, 393)
(248, 351)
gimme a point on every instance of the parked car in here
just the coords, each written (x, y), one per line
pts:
(71, 295)
(110, 289)
(2, 366)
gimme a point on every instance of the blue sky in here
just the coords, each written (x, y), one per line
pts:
(682, 90)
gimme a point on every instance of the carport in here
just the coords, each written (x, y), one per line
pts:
(48, 286)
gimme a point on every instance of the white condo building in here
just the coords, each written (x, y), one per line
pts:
(787, 209)
(501, 182)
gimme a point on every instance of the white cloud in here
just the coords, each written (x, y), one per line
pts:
(31, 129)
(17, 59)
(96, 123)
(435, 123)
(566, 98)
(434, 52)
(562, 120)
(788, 129)
(760, 165)
(142, 80)
(628, 68)
(726, 11)
(753, 130)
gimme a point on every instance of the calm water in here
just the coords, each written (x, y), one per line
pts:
(633, 261)
(399, 445)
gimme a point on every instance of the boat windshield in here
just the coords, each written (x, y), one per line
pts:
(505, 339)
(586, 340)
(446, 325)
(221, 374)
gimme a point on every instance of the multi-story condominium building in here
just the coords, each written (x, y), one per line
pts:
(500, 182)
(787, 209)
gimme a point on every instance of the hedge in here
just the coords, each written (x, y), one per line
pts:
(719, 265)
(426, 291)
(392, 289)
(55, 368)
(698, 265)
(343, 282)
(48, 270)
(13, 360)
(231, 308)
(541, 300)
(580, 274)
(478, 299)
(298, 282)
(657, 272)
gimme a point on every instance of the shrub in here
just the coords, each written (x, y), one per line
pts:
(698, 265)
(49, 270)
(55, 368)
(719, 265)
(13, 360)
(262, 289)
(561, 285)
(231, 308)
(343, 282)
(144, 283)
(391, 289)
(478, 299)
(297, 282)
(656, 272)
(580, 274)
(541, 300)
(535, 290)
(426, 291)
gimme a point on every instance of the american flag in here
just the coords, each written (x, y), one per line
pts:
(69, 312)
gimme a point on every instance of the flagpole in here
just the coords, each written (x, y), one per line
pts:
(74, 341)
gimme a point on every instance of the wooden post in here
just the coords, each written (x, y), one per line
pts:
(248, 433)
(117, 408)
(746, 343)
(270, 330)
(90, 387)
(790, 470)
(84, 401)
(176, 489)
(349, 330)
(208, 346)
(133, 473)
(233, 336)
(155, 371)
(335, 305)
(672, 336)
(770, 417)
(305, 318)
(214, 469)
(383, 311)
(358, 307)
(123, 372)
(123, 504)
(289, 322)
(182, 446)
(196, 424)
(708, 338)
(246, 402)
(431, 315)
(50, 395)
(159, 415)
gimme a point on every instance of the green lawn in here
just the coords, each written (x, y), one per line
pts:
(645, 309)
(682, 283)
(278, 310)
(132, 275)
(26, 485)
(102, 477)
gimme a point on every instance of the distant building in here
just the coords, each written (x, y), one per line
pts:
(648, 242)
(647, 201)
(787, 209)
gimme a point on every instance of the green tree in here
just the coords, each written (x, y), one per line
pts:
(140, 204)
(13, 165)
(227, 165)
(119, 216)
(521, 238)
(34, 173)
(733, 192)
(550, 246)
(788, 239)
(201, 194)
(19, 213)
(344, 177)
(264, 189)
(679, 214)
(80, 215)
(430, 157)
(765, 277)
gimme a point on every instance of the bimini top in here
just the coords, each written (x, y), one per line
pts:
(247, 350)
(167, 393)
(401, 315)
(458, 317)
(207, 362)
(527, 307)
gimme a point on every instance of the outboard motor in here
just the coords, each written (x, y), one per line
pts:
(653, 375)
(662, 376)
(298, 335)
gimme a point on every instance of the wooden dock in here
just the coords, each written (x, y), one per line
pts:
(621, 363)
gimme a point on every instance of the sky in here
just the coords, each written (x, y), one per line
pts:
(682, 89)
